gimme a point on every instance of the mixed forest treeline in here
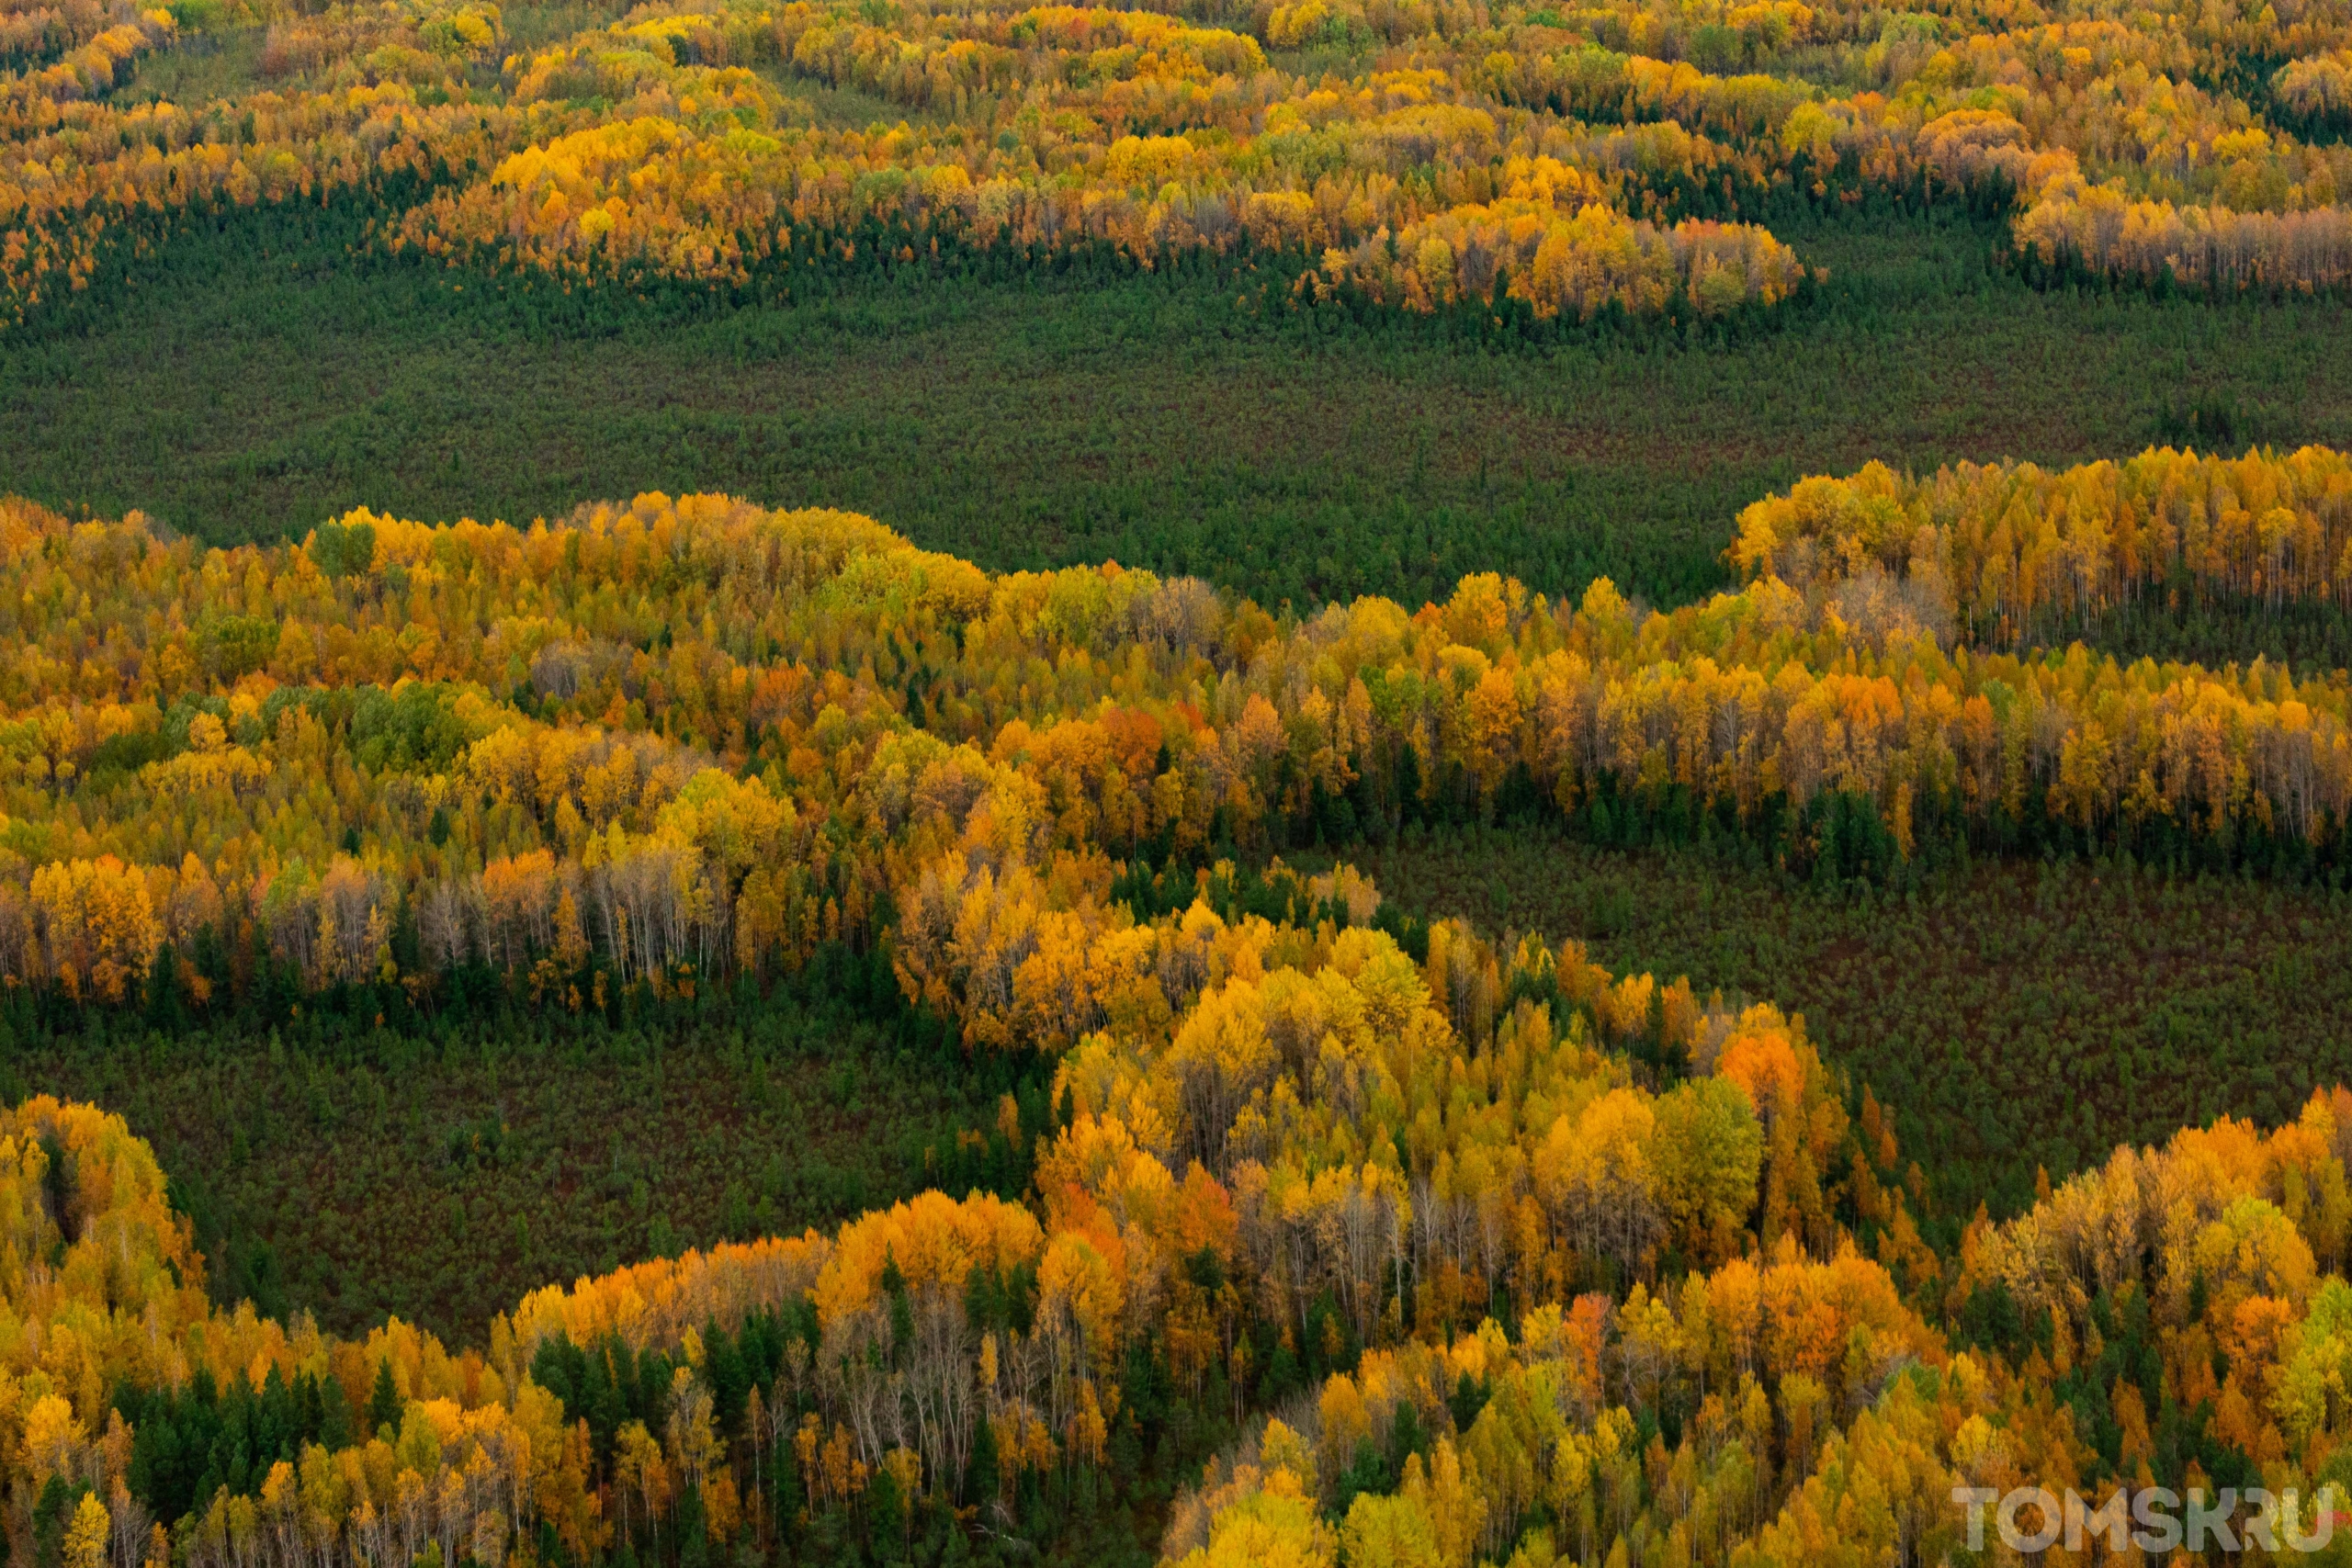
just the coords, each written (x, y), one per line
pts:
(1614, 161)
(1486, 1257)
(693, 742)
(2012, 555)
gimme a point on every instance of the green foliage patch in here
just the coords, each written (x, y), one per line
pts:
(2009, 1016)
(356, 1173)
(263, 376)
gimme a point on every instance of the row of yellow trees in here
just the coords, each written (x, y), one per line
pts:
(2014, 555)
(696, 735)
(1570, 162)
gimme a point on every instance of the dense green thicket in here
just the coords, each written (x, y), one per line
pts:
(340, 1165)
(261, 377)
(2305, 637)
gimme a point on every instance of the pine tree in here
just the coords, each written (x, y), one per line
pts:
(384, 1402)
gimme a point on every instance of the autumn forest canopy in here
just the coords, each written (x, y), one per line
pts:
(1306, 1228)
(1337, 301)
(1352, 783)
(1533, 164)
